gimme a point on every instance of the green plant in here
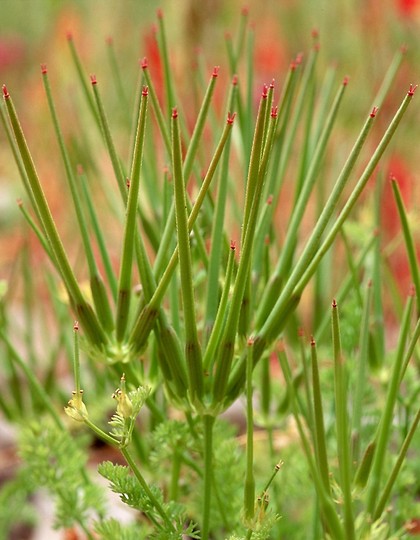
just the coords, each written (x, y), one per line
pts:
(201, 330)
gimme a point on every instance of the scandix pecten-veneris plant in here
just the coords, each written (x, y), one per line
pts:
(203, 328)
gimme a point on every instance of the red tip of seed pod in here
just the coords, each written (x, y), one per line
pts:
(235, 80)
(315, 33)
(403, 49)
(19, 202)
(159, 13)
(299, 58)
(272, 84)
(301, 332)
(334, 303)
(273, 112)
(215, 71)
(145, 91)
(174, 112)
(69, 36)
(5, 92)
(144, 64)
(127, 183)
(412, 290)
(93, 79)
(269, 199)
(250, 341)
(264, 91)
(313, 343)
(374, 111)
(80, 169)
(44, 69)
(245, 11)
(232, 245)
(231, 118)
(76, 326)
(109, 40)
(412, 89)
(369, 283)
(346, 81)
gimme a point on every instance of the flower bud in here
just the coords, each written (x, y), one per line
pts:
(76, 409)
(124, 407)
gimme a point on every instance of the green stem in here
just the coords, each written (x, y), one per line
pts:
(192, 345)
(343, 446)
(175, 475)
(98, 234)
(147, 316)
(396, 469)
(156, 108)
(319, 428)
(186, 171)
(289, 245)
(124, 282)
(226, 348)
(208, 423)
(409, 240)
(76, 358)
(249, 486)
(359, 391)
(82, 79)
(104, 126)
(384, 428)
(217, 329)
(325, 498)
(159, 508)
(216, 241)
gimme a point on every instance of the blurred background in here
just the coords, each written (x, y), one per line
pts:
(358, 38)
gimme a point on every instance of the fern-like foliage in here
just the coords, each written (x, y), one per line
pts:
(131, 493)
(14, 505)
(57, 462)
(110, 529)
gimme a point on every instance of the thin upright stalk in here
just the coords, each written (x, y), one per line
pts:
(249, 486)
(159, 508)
(342, 426)
(192, 345)
(208, 424)
(319, 428)
(382, 436)
(124, 281)
(380, 507)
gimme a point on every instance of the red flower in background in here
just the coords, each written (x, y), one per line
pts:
(154, 61)
(390, 220)
(12, 51)
(407, 7)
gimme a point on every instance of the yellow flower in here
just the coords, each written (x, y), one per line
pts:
(76, 409)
